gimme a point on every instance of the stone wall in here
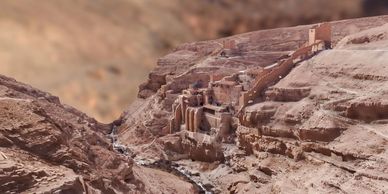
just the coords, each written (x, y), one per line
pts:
(227, 94)
(320, 32)
(211, 120)
(272, 75)
(183, 82)
(229, 91)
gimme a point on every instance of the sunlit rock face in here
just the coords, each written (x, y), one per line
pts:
(326, 116)
(94, 54)
(321, 127)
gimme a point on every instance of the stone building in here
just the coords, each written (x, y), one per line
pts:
(212, 108)
(320, 32)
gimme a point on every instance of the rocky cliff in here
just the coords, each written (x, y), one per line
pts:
(320, 129)
(96, 53)
(48, 147)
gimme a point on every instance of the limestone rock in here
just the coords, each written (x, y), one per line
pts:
(50, 147)
(321, 128)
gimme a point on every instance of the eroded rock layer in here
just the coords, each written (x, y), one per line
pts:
(319, 129)
(47, 147)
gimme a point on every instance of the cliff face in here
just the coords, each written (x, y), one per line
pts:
(47, 147)
(96, 53)
(321, 128)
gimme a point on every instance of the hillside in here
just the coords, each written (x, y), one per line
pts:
(94, 54)
(321, 128)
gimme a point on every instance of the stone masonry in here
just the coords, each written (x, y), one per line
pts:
(217, 106)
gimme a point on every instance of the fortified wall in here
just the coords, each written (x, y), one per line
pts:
(211, 109)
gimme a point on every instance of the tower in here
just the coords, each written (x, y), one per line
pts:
(321, 32)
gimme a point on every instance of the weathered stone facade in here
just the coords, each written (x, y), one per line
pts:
(201, 109)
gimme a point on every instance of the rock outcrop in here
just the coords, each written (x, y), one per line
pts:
(195, 146)
(320, 128)
(108, 47)
(48, 147)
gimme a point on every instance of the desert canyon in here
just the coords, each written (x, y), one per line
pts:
(288, 110)
(101, 51)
